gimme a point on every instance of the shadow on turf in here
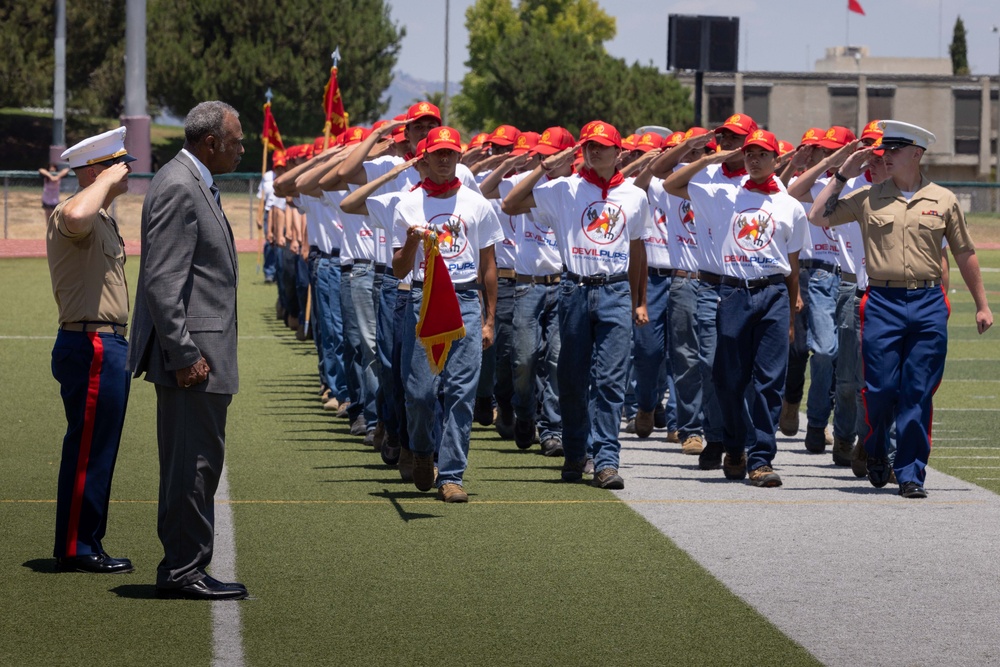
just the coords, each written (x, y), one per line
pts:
(42, 565)
(135, 591)
(395, 496)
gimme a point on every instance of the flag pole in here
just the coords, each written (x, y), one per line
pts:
(260, 207)
(335, 56)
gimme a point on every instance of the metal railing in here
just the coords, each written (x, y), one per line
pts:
(23, 217)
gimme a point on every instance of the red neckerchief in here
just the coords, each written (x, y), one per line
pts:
(438, 189)
(868, 175)
(733, 173)
(408, 156)
(768, 187)
(591, 177)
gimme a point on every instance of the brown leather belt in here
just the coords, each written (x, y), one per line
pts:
(550, 279)
(506, 273)
(655, 272)
(907, 284)
(95, 327)
(848, 277)
(677, 273)
(731, 281)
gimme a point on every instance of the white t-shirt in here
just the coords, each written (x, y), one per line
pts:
(823, 245)
(358, 239)
(593, 233)
(708, 257)
(850, 240)
(465, 224)
(537, 249)
(753, 233)
(659, 253)
(265, 190)
(409, 177)
(380, 211)
(506, 250)
(323, 228)
(683, 233)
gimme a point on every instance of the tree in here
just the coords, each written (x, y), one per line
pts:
(209, 49)
(544, 63)
(959, 50)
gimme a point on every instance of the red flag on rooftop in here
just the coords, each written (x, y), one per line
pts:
(440, 322)
(855, 6)
(333, 105)
(271, 135)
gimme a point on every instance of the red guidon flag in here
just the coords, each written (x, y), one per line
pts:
(440, 322)
(855, 6)
(333, 106)
(272, 138)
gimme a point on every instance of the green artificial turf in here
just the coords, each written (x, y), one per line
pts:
(347, 565)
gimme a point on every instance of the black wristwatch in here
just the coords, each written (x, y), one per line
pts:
(840, 177)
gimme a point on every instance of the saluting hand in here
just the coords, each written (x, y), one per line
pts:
(855, 164)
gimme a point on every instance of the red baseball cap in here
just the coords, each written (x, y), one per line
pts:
(603, 133)
(785, 147)
(379, 123)
(739, 123)
(676, 138)
(505, 135)
(278, 159)
(317, 146)
(355, 135)
(479, 139)
(813, 136)
(697, 131)
(553, 140)
(762, 138)
(872, 131)
(525, 142)
(444, 138)
(648, 142)
(837, 137)
(421, 148)
(628, 143)
(421, 109)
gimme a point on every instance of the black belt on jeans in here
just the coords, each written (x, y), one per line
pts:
(858, 292)
(817, 264)
(660, 273)
(550, 279)
(459, 287)
(384, 269)
(597, 279)
(314, 249)
(730, 281)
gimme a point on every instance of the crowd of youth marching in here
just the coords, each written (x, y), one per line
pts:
(668, 281)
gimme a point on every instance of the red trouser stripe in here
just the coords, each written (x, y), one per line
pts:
(83, 457)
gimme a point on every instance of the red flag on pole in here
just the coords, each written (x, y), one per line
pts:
(440, 322)
(272, 138)
(333, 106)
(855, 6)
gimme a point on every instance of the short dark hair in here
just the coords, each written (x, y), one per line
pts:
(205, 119)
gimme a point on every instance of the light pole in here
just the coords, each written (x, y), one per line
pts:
(996, 168)
(444, 99)
(59, 87)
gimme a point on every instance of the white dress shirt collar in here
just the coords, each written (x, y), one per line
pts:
(206, 175)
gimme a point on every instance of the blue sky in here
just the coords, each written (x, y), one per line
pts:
(781, 35)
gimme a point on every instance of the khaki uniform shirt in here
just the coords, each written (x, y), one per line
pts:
(903, 239)
(87, 270)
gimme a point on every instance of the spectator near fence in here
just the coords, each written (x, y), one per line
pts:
(51, 177)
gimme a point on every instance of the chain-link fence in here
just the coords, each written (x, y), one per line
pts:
(24, 218)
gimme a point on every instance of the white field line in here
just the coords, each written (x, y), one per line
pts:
(227, 630)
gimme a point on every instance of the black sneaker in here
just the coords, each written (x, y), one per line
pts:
(734, 469)
(572, 471)
(552, 447)
(524, 433)
(816, 439)
(505, 421)
(912, 490)
(608, 478)
(711, 457)
(483, 411)
(390, 449)
(879, 472)
(660, 416)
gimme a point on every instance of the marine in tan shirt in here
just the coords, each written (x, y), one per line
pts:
(87, 267)
(904, 313)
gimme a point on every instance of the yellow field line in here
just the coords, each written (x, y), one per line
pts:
(652, 501)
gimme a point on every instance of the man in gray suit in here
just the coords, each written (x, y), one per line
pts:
(184, 340)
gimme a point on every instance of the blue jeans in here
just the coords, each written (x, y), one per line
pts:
(535, 349)
(384, 333)
(400, 310)
(596, 327)
(497, 377)
(753, 348)
(360, 379)
(708, 304)
(651, 343)
(363, 299)
(822, 341)
(848, 417)
(456, 384)
(685, 348)
(904, 340)
(327, 323)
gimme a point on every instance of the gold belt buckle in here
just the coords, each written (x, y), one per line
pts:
(911, 284)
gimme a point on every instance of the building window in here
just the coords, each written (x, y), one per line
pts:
(720, 105)
(756, 103)
(880, 103)
(968, 106)
(844, 106)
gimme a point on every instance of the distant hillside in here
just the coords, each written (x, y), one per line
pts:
(404, 89)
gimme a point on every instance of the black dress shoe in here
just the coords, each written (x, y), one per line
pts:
(206, 589)
(95, 564)
(912, 490)
(879, 472)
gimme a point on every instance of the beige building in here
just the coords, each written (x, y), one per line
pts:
(850, 88)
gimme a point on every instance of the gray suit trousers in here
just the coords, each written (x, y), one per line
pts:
(191, 431)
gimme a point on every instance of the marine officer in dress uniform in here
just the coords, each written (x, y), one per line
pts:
(904, 314)
(87, 265)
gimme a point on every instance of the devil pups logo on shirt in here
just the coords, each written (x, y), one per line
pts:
(686, 214)
(603, 222)
(452, 234)
(753, 229)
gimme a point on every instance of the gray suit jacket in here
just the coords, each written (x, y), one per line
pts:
(185, 305)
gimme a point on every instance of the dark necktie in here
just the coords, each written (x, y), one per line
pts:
(218, 197)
